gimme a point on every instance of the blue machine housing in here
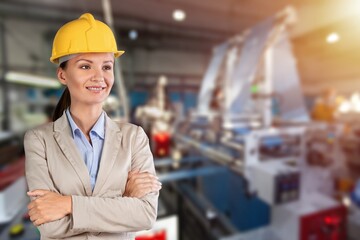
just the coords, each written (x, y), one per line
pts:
(226, 190)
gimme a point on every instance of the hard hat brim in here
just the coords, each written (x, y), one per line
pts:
(55, 59)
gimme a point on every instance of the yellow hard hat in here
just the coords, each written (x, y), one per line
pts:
(83, 35)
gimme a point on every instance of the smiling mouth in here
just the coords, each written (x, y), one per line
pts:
(95, 88)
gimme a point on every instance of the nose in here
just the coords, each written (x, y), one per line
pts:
(98, 76)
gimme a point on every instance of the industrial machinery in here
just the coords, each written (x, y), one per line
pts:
(244, 149)
(251, 81)
(156, 118)
(315, 217)
(12, 180)
(164, 228)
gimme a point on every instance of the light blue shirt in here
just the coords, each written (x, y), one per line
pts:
(90, 153)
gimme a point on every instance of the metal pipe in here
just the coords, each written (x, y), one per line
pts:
(167, 162)
(4, 84)
(208, 151)
(119, 81)
(187, 174)
(212, 153)
(227, 142)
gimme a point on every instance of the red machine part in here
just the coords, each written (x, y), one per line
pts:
(158, 235)
(12, 172)
(325, 225)
(161, 142)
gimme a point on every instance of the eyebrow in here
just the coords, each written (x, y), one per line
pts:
(107, 61)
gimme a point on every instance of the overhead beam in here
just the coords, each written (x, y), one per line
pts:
(41, 12)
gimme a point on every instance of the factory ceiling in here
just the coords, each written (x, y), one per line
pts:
(225, 16)
(209, 22)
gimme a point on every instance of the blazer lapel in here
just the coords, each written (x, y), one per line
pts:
(62, 134)
(111, 148)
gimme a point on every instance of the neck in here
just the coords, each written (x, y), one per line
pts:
(85, 117)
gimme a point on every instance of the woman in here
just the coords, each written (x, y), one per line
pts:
(89, 177)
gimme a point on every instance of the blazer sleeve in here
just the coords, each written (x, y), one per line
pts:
(120, 214)
(38, 177)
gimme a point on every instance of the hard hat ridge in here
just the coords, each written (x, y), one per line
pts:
(83, 35)
(90, 18)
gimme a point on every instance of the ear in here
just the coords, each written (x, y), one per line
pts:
(61, 75)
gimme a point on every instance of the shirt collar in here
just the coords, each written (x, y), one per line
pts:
(98, 128)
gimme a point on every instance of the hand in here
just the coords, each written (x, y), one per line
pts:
(140, 184)
(48, 206)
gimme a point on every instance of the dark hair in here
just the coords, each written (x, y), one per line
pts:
(64, 101)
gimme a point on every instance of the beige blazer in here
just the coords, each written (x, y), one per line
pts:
(53, 163)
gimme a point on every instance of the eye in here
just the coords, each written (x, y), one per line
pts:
(85, 67)
(107, 67)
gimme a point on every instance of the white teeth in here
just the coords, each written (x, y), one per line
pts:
(95, 88)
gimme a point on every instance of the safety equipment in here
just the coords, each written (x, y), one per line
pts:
(83, 35)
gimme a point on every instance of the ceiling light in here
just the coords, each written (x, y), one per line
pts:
(133, 34)
(32, 80)
(332, 37)
(179, 15)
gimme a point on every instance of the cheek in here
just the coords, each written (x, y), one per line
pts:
(110, 80)
(77, 79)
(75, 86)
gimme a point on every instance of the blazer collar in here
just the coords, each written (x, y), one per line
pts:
(62, 124)
(113, 136)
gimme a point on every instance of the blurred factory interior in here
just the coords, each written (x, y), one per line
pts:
(252, 109)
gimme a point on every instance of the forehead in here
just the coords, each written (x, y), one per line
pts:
(101, 57)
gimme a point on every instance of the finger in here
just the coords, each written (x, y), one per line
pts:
(157, 183)
(144, 175)
(136, 175)
(37, 192)
(31, 194)
(147, 174)
(35, 217)
(32, 212)
(147, 188)
(31, 205)
(153, 188)
(38, 222)
(32, 218)
(140, 181)
(156, 188)
(152, 181)
(134, 171)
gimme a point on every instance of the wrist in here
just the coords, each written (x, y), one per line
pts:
(68, 201)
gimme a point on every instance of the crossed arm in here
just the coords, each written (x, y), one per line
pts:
(57, 215)
(49, 206)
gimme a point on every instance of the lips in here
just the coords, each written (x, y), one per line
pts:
(95, 88)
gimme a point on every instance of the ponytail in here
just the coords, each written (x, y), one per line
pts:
(62, 105)
(64, 101)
